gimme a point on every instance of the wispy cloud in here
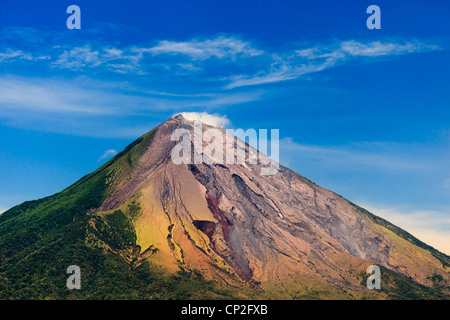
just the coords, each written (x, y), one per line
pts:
(378, 48)
(129, 59)
(189, 67)
(87, 97)
(50, 96)
(12, 55)
(279, 71)
(293, 65)
(107, 154)
(116, 60)
(228, 60)
(220, 47)
(79, 106)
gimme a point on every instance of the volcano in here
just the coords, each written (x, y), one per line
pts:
(143, 227)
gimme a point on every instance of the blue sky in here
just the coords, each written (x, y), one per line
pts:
(364, 113)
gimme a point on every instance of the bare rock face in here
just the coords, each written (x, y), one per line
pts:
(257, 229)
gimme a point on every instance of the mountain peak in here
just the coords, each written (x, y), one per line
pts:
(276, 234)
(257, 227)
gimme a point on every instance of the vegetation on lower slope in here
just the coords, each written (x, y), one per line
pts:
(399, 287)
(115, 230)
(31, 221)
(25, 225)
(39, 272)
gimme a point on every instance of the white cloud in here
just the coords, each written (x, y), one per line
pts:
(83, 96)
(11, 55)
(293, 65)
(181, 58)
(189, 67)
(431, 227)
(87, 107)
(378, 48)
(108, 154)
(128, 59)
(44, 95)
(220, 47)
(211, 119)
(78, 58)
(2, 210)
(278, 73)
(114, 59)
(14, 55)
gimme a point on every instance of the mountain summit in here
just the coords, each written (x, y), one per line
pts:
(150, 228)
